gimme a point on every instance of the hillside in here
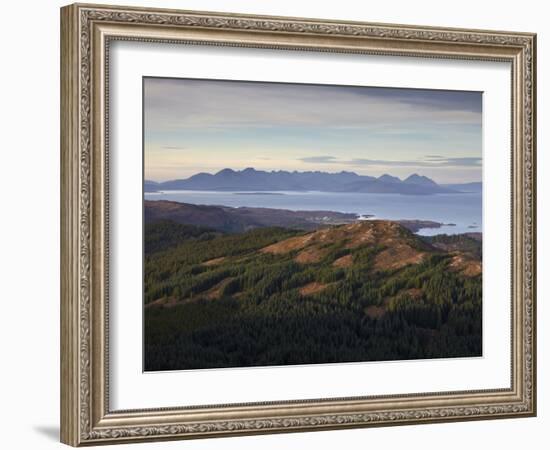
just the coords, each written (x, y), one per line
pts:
(233, 220)
(468, 243)
(251, 179)
(363, 291)
(226, 218)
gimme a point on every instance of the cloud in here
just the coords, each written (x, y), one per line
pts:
(382, 162)
(467, 161)
(173, 147)
(431, 161)
(319, 159)
(177, 104)
(463, 161)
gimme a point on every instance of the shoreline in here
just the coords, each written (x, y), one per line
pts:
(290, 218)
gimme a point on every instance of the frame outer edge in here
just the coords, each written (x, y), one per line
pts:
(70, 299)
(79, 336)
(534, 374)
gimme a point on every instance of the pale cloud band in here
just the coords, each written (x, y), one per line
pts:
(429, 161)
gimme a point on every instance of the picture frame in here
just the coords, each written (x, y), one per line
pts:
(87, 32)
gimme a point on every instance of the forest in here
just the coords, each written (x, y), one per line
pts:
(371, 291)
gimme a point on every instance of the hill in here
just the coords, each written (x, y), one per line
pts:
(251, 179)
(150, 186)
(226, 218)
(234, 220)
(469, 243)
(364, 291)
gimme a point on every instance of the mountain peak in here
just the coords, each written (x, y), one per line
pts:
(420, 180)
(226, 172)
(389, 178)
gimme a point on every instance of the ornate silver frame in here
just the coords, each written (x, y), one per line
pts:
(86, 31)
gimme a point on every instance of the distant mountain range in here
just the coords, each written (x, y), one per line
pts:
(250, 180)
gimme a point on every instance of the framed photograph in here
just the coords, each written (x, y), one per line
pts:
(274, 224)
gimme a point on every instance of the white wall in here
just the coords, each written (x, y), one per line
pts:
(29, 234)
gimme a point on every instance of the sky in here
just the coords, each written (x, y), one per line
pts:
(193, 126)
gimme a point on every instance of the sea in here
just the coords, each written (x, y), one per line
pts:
(462, 210)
